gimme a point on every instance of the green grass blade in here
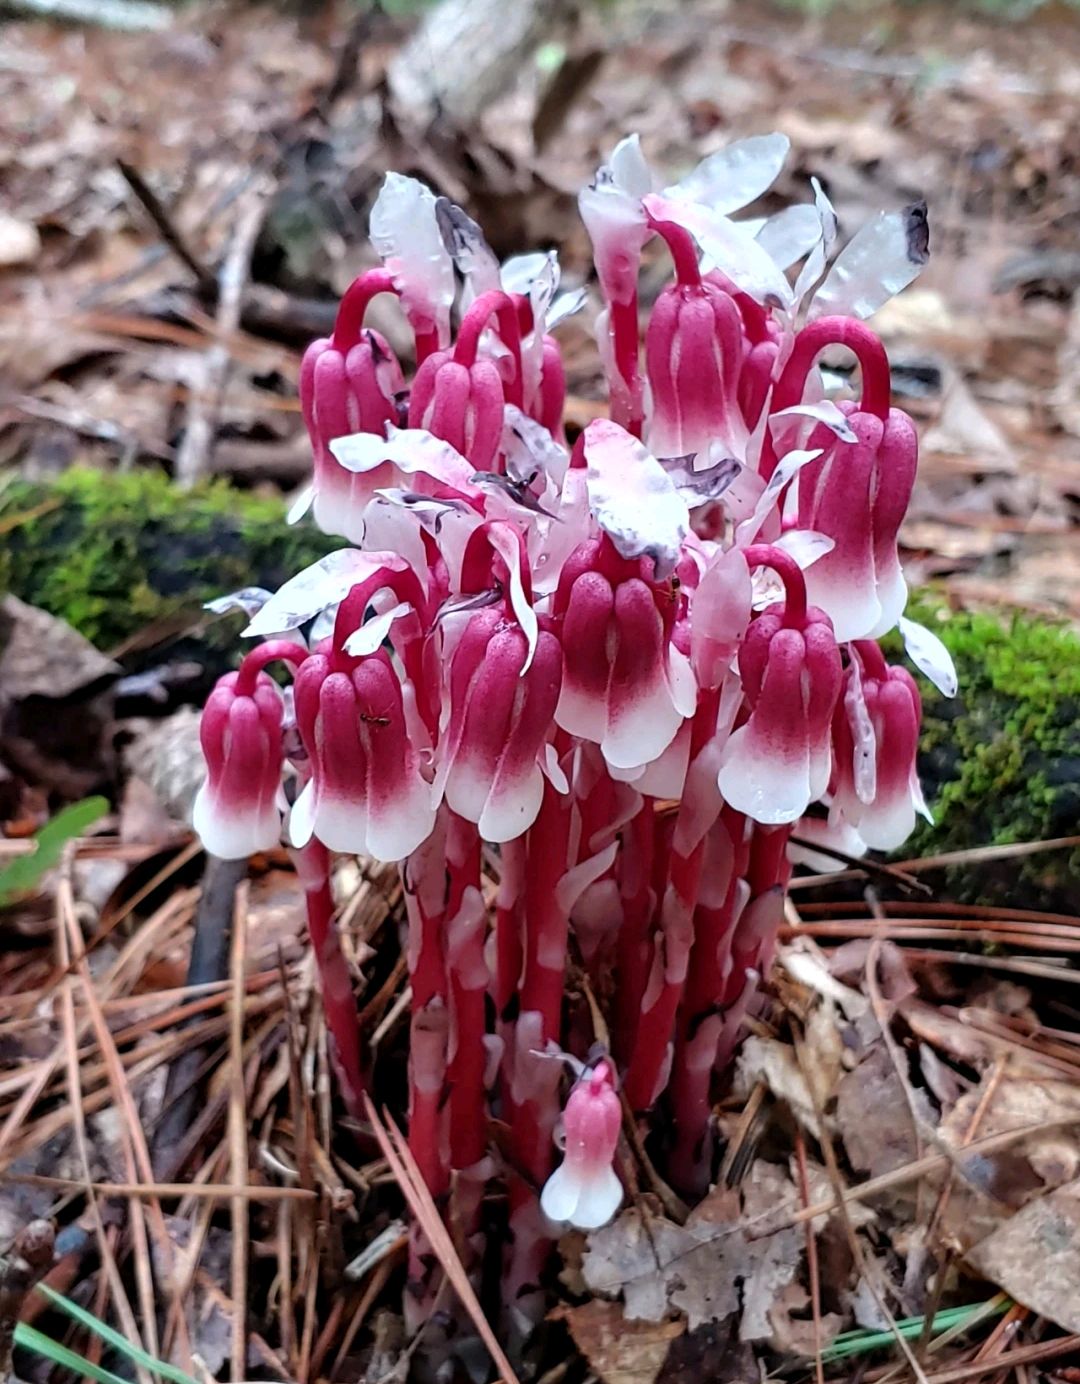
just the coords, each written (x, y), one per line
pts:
(30, 1338)
(24, 872)
(115, 1338)
(861, 1341)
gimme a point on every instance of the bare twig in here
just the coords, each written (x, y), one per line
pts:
(132, 15)
(238, 1147)
(397, 1154)
(166, 226)
(194, 455)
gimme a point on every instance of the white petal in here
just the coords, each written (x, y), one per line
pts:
(629, 169)
(882, 258)
(405, 231)
(737, 254)
(632, 497)
(559, 1199)
(806, 546)
(790, 234)
(373, 631)
(322, 584)
(234, 835)
(736, 175)
(599, 1197)
(786, 469)
(826, 412)
(930, 656)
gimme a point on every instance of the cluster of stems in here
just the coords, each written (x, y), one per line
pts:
(583, 694)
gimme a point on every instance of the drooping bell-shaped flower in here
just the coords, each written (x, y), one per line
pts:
(876, 738)
(625, 687)
(500, 714)
(349, 383)
(857, 491)
(367, 795)
(458, 395)
(780, 760)
(235, 812)
(584, 1190)
(694, 348)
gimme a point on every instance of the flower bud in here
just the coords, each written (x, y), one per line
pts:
(501, 711)
(876, 739)
(693, 356)
(235, 812)
(366, 795)
(779, 761)
(585, 1191)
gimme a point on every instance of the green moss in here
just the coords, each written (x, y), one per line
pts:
(1001, 761)
(113, 554)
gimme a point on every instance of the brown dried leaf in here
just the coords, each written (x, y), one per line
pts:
(1035, 1256)
(618, 1349)
(872, 1115)
(658, 1266)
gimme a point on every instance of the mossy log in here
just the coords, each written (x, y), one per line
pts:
(116, 554)
(1000, 762)
(122, 556)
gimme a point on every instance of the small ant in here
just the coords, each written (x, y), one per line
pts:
(374, 720)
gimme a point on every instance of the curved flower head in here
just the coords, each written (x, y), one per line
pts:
(349, 383)
(876, 738)
(780, 760)
(458, 395)
(235, 812)
(502, 704)
(366, 795)
(625, 686)
(584, 1190)
(857, 493)
(694, 348)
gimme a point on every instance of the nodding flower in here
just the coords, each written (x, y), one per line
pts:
(625, 686)
(780, 759)
(694, 349)
(584, 1190)
(236, 810)
(349, 382)
(876, 738)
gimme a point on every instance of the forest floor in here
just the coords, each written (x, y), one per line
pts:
(899, 1196)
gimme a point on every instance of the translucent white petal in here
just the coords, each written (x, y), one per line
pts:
(737, 254)
(735, 175)
(632, 497)
(930, 656)
(405, 232)
(790, 234)
(322, 584)
(374, 630)
(882, 258)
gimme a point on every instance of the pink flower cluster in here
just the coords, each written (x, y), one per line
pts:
(622, 673)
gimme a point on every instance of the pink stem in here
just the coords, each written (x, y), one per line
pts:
(634, 943)
(468, 987)
(667, 978)
(533, 1107)
(354, 305)
(626, 401)
(500, 306)
(789, 572)
(809, 343)
(256, 660)
(335, 983)
(700, 1019)
(683, 249)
